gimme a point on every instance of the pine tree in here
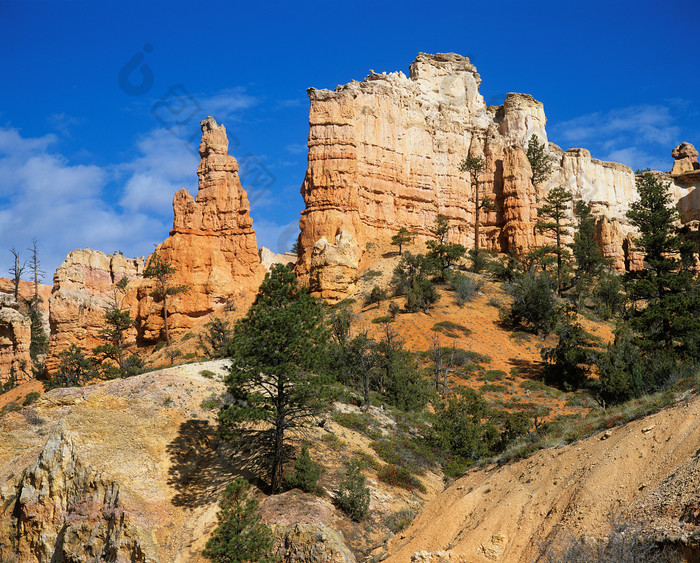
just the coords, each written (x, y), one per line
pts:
(159, 269)
(306, 472)
(401, 238)
(275, 349)
(241, 536)
(117, 322)
(475, 165)
(539, 163)
(442, 253)
(666, 304)
(352, 495)
(589, 259)
(553, 217)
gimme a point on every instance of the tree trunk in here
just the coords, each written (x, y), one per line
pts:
(476, 217)
(165, 317)
(278, 447)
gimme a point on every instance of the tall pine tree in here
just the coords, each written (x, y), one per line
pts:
(666, 304)
(275, 349)
(553, 217)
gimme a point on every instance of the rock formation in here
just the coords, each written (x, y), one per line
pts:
(64, 511)
(685, 159)
(212, 245)
(83, 291)
(385, 153)
(15, 339)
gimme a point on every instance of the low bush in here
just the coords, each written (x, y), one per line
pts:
(352, 495)
(397, 476)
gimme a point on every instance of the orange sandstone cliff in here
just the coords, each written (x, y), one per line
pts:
(384, 153)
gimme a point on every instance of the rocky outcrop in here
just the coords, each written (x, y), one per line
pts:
(15, 340)
(84, 289)
(62, 510)
(334, 266)
(310, 543)
(268, 258)
(384, 153)
(212, 246)
(685, 159)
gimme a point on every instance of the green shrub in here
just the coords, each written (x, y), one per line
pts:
(383, 319)
(187, 336)
(209, 404)
(365, 460)
(465, 288)
(306, 472)
(207, 373)
(30, 398)
(333, 442)
(162, 344)
(352, 420)
(399, 521)
(352, 495)
(376, 295)
(492, 375)
(240, 535)
(397, 476)
(534, 304)
(371, 274)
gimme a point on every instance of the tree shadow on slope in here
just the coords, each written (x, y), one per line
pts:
(202, 464)
(527, 369)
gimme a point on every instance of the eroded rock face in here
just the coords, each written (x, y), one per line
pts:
(83, 291)
(62, 510)
(310, 543)
(384, 153)
(212, 245)
(15, 339)
(685, 158)
(334, 266)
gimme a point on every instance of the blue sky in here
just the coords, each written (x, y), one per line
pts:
(91, 154)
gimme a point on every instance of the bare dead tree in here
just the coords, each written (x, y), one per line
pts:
(16, 270)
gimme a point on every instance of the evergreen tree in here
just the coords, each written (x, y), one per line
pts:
(539, 163)
(589, 259)
(569, 361)
(401, 238)
(216, 341)
(475, 165)
(553, 217)
(411, 279)
(666, 304)
(398, 375)
(241, 536)
(160, 270)
(275, 349)
(306, 472)
(352, 495)
(534, 304)
(442, 254)
(117, 322)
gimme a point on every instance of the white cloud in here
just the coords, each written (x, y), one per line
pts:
(63, 205)
(166, 164)
(639, 136)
